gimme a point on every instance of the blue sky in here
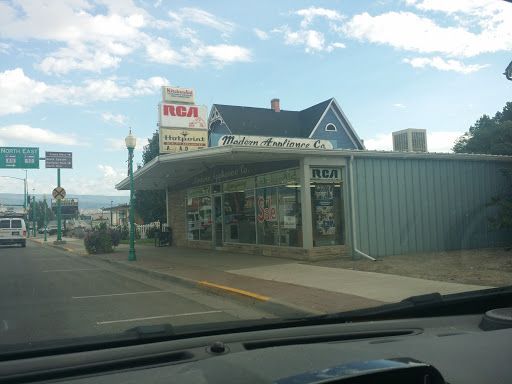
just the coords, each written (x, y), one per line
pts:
(75, 75)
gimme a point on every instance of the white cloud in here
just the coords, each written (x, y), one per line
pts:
(331, 47)
(104, 184)
(223, 53)
(160, 51)
(92, 40)
(411, 32)
(455, 6)
(4, 48)
(29, 134)
(118, 144)
(198, 16)
(262, 35)
(312, 40)
(78, 57)
(312, 12)
(441, 142)
(96, 37)
(444, 65)
(381, 142)
(121, 119)
(14, 85)
(398, 105)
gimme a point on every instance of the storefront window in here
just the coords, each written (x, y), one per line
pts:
(290, 218)
(267, 216)
(328, 215)
(199, 218)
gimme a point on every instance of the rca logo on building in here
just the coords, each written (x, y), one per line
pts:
(182, 116)
(327, 174)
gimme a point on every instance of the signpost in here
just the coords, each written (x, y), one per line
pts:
(59, 193)
(19, 157)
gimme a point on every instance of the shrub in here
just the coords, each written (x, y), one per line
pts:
(115, 236)
(152, 232)
(101, 240)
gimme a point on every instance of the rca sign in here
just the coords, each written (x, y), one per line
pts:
(182, 116)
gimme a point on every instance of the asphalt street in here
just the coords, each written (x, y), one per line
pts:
(47, 294)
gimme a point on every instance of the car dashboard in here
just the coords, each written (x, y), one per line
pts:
(451, 349)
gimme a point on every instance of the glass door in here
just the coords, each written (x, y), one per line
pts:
(217, 207)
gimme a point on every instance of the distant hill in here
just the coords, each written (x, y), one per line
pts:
(84, 201)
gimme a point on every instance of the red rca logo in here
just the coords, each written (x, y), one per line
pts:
(181, 111)
(268, 214)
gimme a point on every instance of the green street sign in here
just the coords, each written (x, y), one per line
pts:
(19, 157)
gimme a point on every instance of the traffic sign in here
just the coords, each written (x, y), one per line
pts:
(59, 159)
(59, 193)
(19, 157)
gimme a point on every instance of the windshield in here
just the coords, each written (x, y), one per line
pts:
(203, 163)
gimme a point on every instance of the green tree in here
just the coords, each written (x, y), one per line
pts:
(489, 135)
(40, 212)
(493, 136)
(151, 205)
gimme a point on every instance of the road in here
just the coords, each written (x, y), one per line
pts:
(47, 293)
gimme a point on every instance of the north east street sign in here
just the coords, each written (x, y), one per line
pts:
(19, 157)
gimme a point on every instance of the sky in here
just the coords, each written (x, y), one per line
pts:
(76, 75)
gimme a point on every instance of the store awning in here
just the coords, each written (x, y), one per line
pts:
(176, 168)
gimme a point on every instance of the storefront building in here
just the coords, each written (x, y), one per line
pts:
(291, 198)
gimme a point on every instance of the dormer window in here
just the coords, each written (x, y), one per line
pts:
(331, 128)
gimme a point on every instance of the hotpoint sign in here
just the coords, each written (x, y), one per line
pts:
(182, 116)
(182, 140)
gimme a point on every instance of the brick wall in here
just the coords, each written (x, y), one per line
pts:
(176, 216)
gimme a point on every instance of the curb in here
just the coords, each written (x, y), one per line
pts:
(264, 303)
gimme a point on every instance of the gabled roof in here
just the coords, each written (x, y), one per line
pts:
(267, 122)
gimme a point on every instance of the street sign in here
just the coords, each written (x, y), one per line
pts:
(19, 157)
(59, 159)
(59, 193)
(68, 206)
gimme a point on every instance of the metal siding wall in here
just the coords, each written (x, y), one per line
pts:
(416, 205)
(393, 220)
(388, 185)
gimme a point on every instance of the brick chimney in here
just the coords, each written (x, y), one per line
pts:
(274, 104)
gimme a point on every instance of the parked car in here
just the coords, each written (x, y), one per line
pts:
(13, 231)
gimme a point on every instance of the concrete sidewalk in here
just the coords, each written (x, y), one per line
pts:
(282, 286)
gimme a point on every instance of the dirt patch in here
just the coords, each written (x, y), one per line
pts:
(490, 266)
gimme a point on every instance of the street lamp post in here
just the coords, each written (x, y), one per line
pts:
(130, 142)
(45, 223)
(111, 201)
(34, 213)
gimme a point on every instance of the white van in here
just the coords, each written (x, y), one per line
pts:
(13, 231)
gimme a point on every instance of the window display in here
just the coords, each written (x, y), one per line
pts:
(328, 219)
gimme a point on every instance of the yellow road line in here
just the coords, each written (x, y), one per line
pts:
(205, 284)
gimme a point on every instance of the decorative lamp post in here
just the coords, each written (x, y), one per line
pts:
(111, 201)
(45, 223)
(34, 213)
(131, 141)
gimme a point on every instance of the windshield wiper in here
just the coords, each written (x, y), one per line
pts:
(428, 305)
